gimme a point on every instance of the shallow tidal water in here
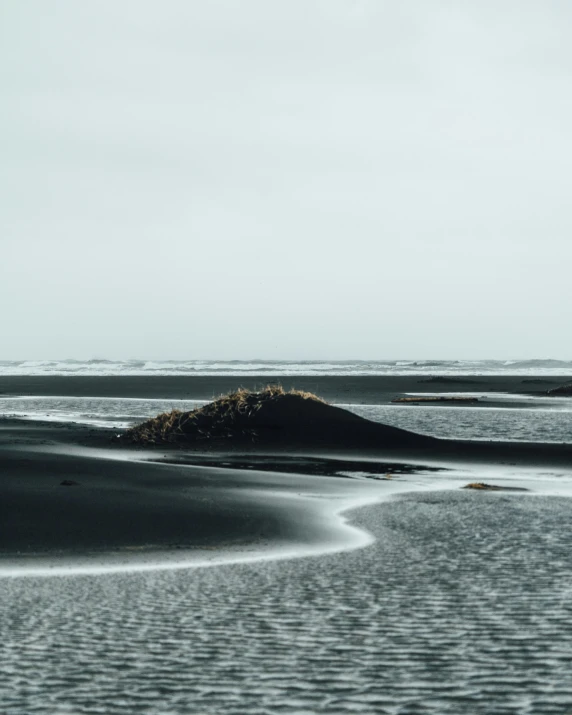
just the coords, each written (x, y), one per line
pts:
(542, 420)
(462, 605)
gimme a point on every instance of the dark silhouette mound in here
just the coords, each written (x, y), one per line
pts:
(562, 391)
(270, 417)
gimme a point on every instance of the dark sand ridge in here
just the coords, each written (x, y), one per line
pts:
(119, 503)
(361, 389)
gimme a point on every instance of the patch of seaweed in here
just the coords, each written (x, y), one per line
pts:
(239, 413)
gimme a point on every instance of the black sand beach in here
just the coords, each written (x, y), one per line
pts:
(69, 490)
(459, 603)
(207, 497)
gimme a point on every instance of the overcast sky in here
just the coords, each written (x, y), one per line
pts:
(286, 179)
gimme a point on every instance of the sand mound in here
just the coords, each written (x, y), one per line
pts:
(271, 415)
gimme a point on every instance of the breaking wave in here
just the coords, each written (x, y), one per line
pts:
(271, 368)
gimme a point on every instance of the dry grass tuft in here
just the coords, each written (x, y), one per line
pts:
(230, 415)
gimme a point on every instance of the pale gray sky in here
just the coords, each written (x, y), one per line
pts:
(286, 178)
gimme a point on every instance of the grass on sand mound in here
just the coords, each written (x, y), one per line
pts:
(238, 414)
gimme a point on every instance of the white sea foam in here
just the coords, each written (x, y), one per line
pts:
(270, 368)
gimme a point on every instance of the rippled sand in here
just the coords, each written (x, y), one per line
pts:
(462, 605)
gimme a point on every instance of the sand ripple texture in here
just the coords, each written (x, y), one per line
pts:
(463, 605)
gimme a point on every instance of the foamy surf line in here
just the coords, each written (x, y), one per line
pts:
(272, 368)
